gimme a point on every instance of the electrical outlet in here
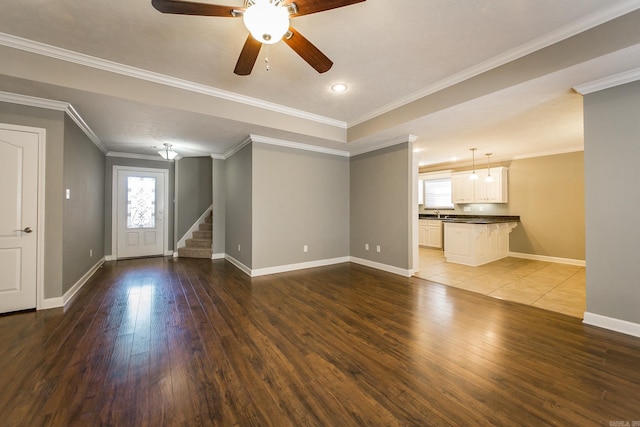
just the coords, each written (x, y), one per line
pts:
(366, 246)
(481, 208)
(68, 194)
(90, 253)
(378, 248)
(238, 247)
(305, 248)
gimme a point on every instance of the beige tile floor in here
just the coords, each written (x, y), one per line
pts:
(555, 287)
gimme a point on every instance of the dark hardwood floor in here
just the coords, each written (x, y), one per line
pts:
(163, 342)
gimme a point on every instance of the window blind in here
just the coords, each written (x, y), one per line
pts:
(438, 193)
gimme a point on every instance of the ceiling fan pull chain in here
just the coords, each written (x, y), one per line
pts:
(266, 59)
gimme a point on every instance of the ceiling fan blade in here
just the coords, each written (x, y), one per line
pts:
(306, 7)
(248, 56)
(191, 8)
(308, 51)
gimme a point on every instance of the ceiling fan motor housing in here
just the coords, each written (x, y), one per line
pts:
(266, 20)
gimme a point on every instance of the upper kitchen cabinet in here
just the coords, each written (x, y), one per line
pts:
(494, 191)
(465, 190)
(462, 188)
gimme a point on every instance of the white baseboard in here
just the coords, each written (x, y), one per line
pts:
(612, 324)
(570, 261)
(109, 258)
(218, 256)
(383, 267)
(48, 303)
(238, 264)
(298, 266)
(61, 301)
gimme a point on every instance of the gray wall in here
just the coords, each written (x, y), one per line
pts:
(83, 224)
(238, 213)
(108, 183)
(612, 159)
(548, 194)
(299, 198)
(380, 199)
(219, 185)
(193, 191)
(53, 122)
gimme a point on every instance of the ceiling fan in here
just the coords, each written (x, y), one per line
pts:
(267, 22)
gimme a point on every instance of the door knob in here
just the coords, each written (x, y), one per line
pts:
(26, 230)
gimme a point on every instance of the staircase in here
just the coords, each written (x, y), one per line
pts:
(199, 246)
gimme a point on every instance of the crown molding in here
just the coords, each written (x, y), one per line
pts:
(32, 101)
(591, 21)
(138, 73)
(233, 150)
(141, 156)
(390, 143)
(608, 82)
(297, 145)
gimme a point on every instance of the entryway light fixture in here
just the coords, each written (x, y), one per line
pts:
(167, 153)
(473, 175)
(489, 178)
(266, 20)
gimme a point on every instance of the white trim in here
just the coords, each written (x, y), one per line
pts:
(591, 21)
(233, 150)
(612, 324)
(399, 140)
(298, 266)
(138, 73)
(109, 258)
(383, 267)
(238, 264)
(569, 261)
(140, 156)
(48, 303)
(114, 207)
(297, 145)
(81, 282)
(608, 82)
(182, 242)
(218, 256)
(32, 101)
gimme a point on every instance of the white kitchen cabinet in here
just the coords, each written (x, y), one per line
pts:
(477, 244)
(462, 190)
(465, 190)
(430, 233)
(434, 234)
(422, 232)
(492, 192)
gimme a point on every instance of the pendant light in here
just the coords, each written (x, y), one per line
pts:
(167, 153)
(474, 175)
(489, 178)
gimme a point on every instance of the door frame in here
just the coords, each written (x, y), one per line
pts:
(114, 206)
(40, 211)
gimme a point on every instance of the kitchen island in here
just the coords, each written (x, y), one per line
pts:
(480, 240)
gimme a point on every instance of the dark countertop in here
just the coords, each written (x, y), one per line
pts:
(472, 219)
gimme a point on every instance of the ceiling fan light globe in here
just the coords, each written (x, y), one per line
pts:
(266, 22)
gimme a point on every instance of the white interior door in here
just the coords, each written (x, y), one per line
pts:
(140, 213)
(18, 218)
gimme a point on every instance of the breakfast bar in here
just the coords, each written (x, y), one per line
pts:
(476, 241)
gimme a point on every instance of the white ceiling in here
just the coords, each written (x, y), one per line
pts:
(435, 69)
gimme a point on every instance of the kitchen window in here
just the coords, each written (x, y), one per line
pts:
(437, 193)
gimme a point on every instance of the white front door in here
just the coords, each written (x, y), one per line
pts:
(18, 217)
(140, 213)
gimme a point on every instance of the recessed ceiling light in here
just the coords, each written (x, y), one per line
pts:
(339, 87)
